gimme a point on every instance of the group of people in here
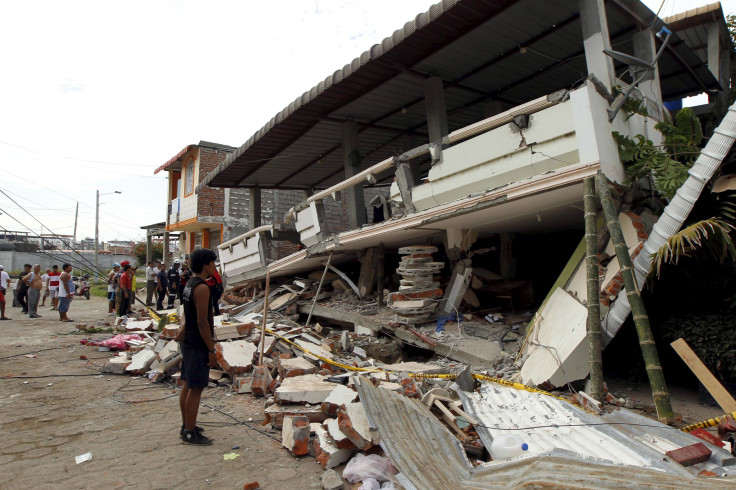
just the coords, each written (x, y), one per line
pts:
(171, 283)
(29, 290)
(121, 288)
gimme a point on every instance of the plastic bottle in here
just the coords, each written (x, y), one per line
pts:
(507, 446)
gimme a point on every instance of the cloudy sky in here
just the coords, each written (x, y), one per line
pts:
(96, 95)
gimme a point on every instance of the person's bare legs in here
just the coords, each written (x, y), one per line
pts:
(183, 402)
(191, 407)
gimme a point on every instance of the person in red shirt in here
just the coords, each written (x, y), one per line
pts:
(125, 283)
(53, 286)
(216, 288)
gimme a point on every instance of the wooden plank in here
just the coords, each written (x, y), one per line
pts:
(448, 417)
(368, 271)
(717, 391)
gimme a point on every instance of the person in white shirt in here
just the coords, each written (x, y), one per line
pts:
(150, 283)
(4, 284)
(45, 278)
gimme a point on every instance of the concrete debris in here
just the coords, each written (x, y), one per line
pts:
(353, 422)
(326, 451)
(331, 480)
(339, 396)
(308, 388)
(288, 368)
(235, 357)
(140, 362)
(295, 435)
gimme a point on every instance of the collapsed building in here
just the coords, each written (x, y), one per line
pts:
(442, 176)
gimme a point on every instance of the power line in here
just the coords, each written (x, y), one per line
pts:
(74, 158)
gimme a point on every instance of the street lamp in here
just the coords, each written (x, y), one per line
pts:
(97, 228)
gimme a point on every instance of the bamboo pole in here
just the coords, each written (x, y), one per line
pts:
(265, 317)
(594, 306)
(319, 288)
(380, 274)
(641, 319)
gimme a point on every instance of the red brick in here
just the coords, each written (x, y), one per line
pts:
(430, 293)
(244, 329)
(707, 437)
(690, 455)
(261, 381)
(706, 473)
(409, 388)
(251, 486)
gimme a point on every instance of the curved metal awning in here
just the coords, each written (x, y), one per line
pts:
(506, 52)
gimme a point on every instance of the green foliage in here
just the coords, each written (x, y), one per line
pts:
(668, 164)
(139, 250)
(710, 235)
(711, 338)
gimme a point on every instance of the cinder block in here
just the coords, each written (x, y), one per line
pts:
(690, 455)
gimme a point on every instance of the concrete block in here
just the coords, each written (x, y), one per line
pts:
(360, 352)
(329, 345)
(339, 438)
(332, 480)
(327, 453)
(170, 349)
(295, 435)
(339, 396)
(261, 385)
(268, 342)
(353, 422)
(309, 388)
(170, 331)
(141, 362)
(275, 414)
(134, 326)
(117, 364)
(242, 384)
(235, 357)
(298, 366)
(361, 330)
(690, 455)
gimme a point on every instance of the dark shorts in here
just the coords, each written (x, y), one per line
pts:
(111, 295)
(64, 304)
(194, 369)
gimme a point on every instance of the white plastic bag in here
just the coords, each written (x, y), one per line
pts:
(363, 467)
(372, 484)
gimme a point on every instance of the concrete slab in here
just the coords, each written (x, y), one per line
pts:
(169, 350)
(339, 396)
(141, 362)
(313, 348)
(327, 452)
(309, 388)
(558, 350)
(298, 366)
(235, 357)
(341, 440)
(353, 422)
(275, 413)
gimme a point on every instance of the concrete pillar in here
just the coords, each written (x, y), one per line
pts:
(714, 49)
(351, 156)
(165, 258)
(646, 49)
(254, 208)
(434, 101)
(595, 40)
(149, 247)
(508, 262)
(409, 142)
(719, 64)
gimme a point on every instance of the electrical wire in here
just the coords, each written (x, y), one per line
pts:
(32, 352)
(242, 422)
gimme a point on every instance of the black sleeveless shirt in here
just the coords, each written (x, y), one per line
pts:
(192, 337)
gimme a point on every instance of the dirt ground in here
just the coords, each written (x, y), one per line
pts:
(130, 426)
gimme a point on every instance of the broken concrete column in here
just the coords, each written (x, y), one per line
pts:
(235, 357)
(337, 398)
(295, 435)
(261, 385)
(353, 422)
(288, 368)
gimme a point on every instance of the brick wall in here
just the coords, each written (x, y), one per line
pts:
(211, 200)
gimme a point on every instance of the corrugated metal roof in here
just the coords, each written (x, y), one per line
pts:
(692, 27)
(474, 46)
(429, 457)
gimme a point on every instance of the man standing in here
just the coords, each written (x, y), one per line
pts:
(126, 290)
(150, 283)
(116, 283)
(161, 286)
(197, 345)
(215, 284)
(22, 294)
(66, 292)
(35, 284)
(173, 283)
(45, 278)
(4, 285)
(110, 289)
(53, 286)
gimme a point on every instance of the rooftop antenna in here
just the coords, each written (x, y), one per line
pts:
(638, 68)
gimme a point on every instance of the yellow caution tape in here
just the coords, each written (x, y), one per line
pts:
(708, 423)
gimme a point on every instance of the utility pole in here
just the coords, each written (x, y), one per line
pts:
(97, 234)
(76, 215)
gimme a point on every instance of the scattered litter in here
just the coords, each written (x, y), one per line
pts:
(83, 458)
(230, 456)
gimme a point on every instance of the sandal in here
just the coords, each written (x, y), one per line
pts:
(5, 318)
